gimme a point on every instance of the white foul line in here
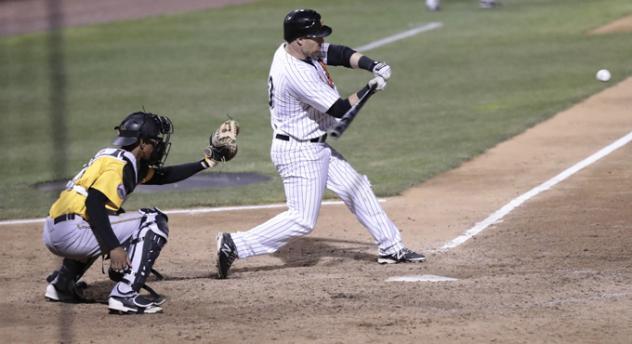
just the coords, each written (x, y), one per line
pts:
(399, 36)
(516, 202)
(240, 208)
(190, 211)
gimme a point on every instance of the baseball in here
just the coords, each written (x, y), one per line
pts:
(603, 75)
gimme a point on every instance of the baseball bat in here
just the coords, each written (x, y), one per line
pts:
(347, 118)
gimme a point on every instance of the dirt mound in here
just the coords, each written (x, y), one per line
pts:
(620, 25)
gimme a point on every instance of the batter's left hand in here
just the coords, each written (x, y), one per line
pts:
(382, 69)
(378, 82)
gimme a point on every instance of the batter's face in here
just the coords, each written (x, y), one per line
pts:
(310, 46)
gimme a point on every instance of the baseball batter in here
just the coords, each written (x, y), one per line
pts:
(304, 103)
(87, 220)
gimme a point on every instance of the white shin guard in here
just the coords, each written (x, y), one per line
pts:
(143, 250)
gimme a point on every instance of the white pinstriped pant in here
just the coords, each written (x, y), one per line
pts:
(307, 168)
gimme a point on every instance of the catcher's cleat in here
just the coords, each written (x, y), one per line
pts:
(226, 254)
(402, 256)
(157, 300)
(75, 295)
(136, 304)
(154, 297)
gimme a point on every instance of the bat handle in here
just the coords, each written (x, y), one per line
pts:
(340, 128)
(372, 88)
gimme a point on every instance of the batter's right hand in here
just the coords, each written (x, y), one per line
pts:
(379, 83)
(119, 261)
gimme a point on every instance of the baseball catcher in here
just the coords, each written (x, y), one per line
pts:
(87, 220)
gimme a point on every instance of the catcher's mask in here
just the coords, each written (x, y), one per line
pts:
(150, 128)
(304, 23)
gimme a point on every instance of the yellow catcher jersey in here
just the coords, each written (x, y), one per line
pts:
(104, 172)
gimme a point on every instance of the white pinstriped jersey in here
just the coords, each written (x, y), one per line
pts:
(300, 92)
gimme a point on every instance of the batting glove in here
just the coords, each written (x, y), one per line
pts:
(382, 69)
(379, 83)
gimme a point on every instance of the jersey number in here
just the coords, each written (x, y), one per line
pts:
(71, 183)
(270, 93)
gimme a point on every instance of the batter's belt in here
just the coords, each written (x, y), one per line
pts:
(315, 140)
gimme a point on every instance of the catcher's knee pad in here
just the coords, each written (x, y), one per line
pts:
(144, 248)
(155, 217)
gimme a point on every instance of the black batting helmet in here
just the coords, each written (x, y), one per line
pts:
(147, 126)
(304, 23)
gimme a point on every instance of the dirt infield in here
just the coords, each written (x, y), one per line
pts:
(620, 25)
(556, 270)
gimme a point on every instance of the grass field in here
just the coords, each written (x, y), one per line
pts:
(455, 92)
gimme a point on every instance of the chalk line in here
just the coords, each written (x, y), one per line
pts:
(399, 36)
(190, 211)
(516, 202)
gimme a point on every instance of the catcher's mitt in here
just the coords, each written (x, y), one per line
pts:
(223, 142)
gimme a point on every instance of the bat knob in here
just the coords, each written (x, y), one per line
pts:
(335, 133)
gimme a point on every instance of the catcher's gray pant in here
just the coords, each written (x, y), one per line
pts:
(307, 168)
(74, 239)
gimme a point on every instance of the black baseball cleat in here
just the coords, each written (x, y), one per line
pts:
(74, 295)
(135, 304)
(402, 256)
(226, 254)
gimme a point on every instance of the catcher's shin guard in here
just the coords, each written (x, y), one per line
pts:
(64, 285)
(143, 250)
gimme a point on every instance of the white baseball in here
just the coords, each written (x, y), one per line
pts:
(603, 75)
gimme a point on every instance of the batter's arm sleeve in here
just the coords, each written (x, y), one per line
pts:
(99, 221)
(340, 107)
(176, 173)
(339, 55)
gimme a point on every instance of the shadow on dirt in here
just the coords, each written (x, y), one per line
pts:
(310, 251)
(301, 252)
(305, 252)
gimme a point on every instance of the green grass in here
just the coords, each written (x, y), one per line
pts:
(455, 92)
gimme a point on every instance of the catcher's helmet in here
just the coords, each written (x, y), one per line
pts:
(147, 126)
(304, 23)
